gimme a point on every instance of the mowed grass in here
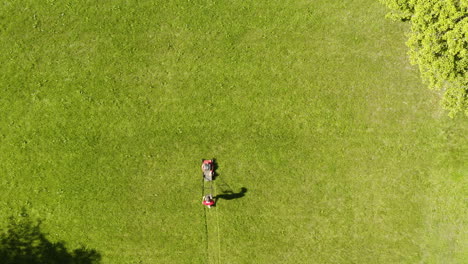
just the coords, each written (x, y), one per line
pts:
(107, 107)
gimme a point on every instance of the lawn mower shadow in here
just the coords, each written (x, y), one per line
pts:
(215, 169)
(230, 195)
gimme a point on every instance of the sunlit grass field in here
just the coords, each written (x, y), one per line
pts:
(107, 108)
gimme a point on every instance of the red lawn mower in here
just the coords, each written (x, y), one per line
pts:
(208, 169)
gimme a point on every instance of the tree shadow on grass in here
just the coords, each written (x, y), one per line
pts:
(23, 242)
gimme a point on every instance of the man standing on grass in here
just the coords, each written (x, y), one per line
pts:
(208, 200)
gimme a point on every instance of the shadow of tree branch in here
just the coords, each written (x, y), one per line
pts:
(23, 242)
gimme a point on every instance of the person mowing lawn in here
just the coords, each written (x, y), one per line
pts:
(208, 200)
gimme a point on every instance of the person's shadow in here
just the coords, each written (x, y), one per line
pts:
(229, 195)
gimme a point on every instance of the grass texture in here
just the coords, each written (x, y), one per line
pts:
(107, 107)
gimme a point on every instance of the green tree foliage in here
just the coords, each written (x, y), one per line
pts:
(438, 44)
(22, 242)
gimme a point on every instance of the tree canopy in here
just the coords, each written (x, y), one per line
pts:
(438, 44)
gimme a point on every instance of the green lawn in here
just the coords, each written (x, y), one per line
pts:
(107, 107)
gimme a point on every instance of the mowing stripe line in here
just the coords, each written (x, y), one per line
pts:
(206, 234)
(219, 240)
(206, 224)
(210, 237)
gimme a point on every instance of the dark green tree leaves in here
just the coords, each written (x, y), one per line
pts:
(438, 44)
